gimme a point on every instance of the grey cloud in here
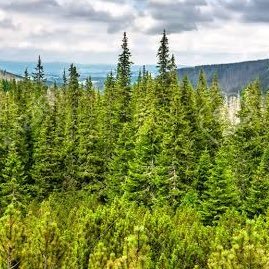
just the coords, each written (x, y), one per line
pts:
(8, 23)
(178, 16)
(257, 11)
(72, 11)
(40, 6)
(248, 10)
(88, 13)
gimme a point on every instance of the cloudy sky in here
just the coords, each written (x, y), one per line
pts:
(90, 31)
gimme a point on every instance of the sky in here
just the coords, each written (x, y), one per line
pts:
(90, 31)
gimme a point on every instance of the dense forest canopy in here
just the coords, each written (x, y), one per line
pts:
(143, 175)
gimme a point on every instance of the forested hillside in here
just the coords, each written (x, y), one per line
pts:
(150, 175)
(9, 76)
(232, 77)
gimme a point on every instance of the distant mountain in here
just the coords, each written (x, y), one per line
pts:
(9, 76)
(232, 77)
(54, 70)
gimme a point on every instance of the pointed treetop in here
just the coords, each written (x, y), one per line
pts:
(124, 64)
(64, 78)
(163, 56)
(39, 75)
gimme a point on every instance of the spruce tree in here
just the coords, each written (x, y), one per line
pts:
(73, 83)
(39, 75)
(202, 172)
(46, 156)
(89, 84)
(249, 137)
(123, 88)
(142, 178)
(257, 201)
(26, 75)
(166, 70)
(221, 191)
(64, 79)
(90, 159)
(163, 55)
(124, 64)
(175, 162)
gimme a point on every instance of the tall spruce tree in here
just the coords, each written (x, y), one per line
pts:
(163, 55)
(124, 64)
(249, 140)
(64, 79)
(175, 162)
(124, 81)
(166, 68)
(39, 75)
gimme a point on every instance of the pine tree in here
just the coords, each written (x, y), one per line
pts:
(141, 181)
(13, 187)
(124, 64)
(11, 238)
(110, 120)
(26, 75)
(39, 75)
(46, 166)
(249, 137)
(257, 202)
(13, 178)
(73, 83)
(164, 63)
(45, 246)
(176, 158)
(221, 192)
(64, 79)
(90, 170)
(123, 89)
(202, 172)
(166, 70)
(89, 84)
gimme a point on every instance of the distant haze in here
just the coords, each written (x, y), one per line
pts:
(54, 71)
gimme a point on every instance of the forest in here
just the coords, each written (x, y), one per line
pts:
(135, 176)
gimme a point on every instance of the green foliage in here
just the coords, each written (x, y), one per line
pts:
(138, 176)
(221, 192)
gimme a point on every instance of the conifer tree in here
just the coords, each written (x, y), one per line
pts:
(176, 158)
(11, 238)
(257, 201)
(124, 64)
(39, 75)
(123, 88)
(163, 55)
(202, 172)
(47, 163)
(45, 245)
(142, 178)
(221, 191)
(166, 70)
(73, 83)
(110, 120)
(90, 143)
(89, 84)
(64, 79)
(26, 75)
(249, 137)
(13, 183)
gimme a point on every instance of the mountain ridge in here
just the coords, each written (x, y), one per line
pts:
(233, 77)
